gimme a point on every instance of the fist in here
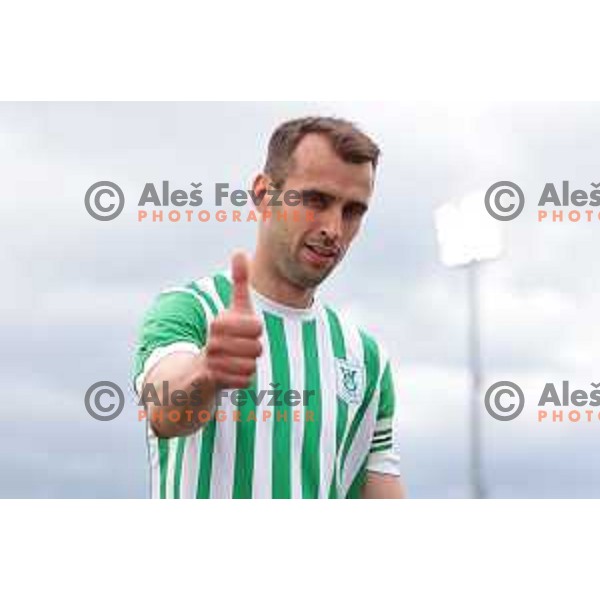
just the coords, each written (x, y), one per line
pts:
(234, 336)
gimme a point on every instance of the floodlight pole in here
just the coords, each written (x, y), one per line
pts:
(467, 238)
(474, 333)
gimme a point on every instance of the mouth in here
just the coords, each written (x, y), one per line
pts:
(319, 255)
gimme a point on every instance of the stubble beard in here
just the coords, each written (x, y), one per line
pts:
(291, 269)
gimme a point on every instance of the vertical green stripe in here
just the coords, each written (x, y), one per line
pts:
(354, 492)
(178, 465)
(163, 461)
(372, 367)
(208, 430)
(342, 419)
(280, 368)
(205, 296)
(312, 429)
(341, 422)
(223, 286)
(206, 457)
(245, 431)
(337, 337)
(387, 397)
(339, 351)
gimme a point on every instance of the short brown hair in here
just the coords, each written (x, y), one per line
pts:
(347, 140)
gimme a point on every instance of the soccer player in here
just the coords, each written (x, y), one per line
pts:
(279, 395)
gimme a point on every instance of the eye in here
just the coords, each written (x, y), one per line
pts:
(355, 210)
(314, 200)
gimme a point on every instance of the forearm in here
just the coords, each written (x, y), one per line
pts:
(190, 393)
(383, 486)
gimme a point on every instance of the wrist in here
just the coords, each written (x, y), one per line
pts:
(202, 376)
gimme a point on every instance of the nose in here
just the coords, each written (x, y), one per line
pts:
(330, 224)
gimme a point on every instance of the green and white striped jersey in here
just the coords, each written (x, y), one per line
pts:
(320, 448)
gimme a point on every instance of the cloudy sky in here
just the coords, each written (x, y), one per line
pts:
(75, 288)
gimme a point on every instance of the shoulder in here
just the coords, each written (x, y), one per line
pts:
(208, 295)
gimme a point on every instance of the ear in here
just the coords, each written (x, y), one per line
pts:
(259, 191)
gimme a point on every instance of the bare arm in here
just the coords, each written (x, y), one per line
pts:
(382, 485)
(183, 372)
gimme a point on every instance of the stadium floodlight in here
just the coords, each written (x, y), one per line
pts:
(466, 232)
(467, 235)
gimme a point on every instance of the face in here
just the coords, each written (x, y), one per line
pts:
(305, 250)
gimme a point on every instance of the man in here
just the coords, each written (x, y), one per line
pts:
(261, 329)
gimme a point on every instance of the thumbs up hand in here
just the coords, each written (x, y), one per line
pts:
(240, 273)
(233, 343)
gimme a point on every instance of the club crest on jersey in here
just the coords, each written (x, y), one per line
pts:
(350, 381)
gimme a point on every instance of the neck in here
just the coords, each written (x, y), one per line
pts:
(265, 279)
